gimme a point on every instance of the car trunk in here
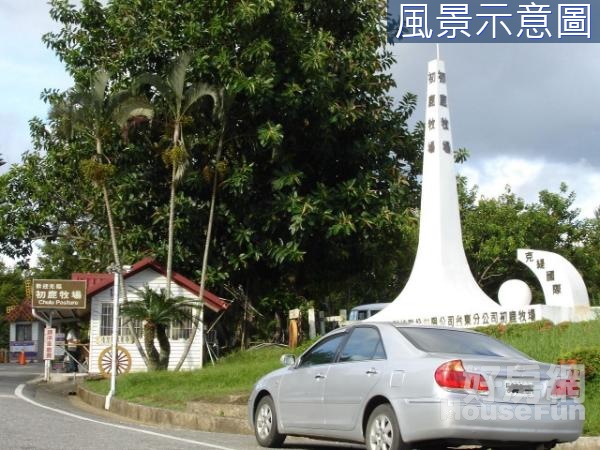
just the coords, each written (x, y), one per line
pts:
(514, 380)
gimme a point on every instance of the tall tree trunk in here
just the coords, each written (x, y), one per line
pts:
(171, 233)
(211, 215)
(277, 335)
(117, 259)
(176, 139)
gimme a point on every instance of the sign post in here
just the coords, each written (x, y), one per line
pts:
(55, 294)
(117, 272)
(49, 349)
(49, 343)
(115, 336)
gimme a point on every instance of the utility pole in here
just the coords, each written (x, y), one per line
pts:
(117, 272)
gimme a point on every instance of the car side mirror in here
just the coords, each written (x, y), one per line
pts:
(288, 359)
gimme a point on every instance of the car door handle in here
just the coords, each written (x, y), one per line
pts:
(320, 377)
(371, 371)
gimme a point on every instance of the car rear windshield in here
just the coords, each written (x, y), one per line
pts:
(440, 340)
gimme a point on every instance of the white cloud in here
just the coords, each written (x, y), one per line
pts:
(527, 177)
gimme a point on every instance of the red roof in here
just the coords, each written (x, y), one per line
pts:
(92, 279)
(97, 282)
(21, 312)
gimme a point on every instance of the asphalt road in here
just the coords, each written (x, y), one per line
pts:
(39, 417)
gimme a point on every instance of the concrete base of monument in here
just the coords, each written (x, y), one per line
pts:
(482, 318)
(558, 314)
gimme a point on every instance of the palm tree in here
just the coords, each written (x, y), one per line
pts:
(95, 110)
(157, 310)
(179, 96)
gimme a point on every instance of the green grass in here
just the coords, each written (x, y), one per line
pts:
(592, 408)
(546, 342)
(549, 343)
(237, 373)
(233, 375)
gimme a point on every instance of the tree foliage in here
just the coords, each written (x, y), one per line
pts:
(317, 172)
(12, 291)
(317, 180)
(494, 228)
(178, 95)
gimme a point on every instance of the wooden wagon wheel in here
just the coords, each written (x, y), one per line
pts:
(105, 361)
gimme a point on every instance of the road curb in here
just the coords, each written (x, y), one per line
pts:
(212, 418)
(36, 380)
(583, 443)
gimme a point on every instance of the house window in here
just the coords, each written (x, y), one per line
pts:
(124, 327)
(106, 318)
(23, 332)
(176, 330)
(181, 330)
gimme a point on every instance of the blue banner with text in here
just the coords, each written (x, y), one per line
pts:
(550, 21)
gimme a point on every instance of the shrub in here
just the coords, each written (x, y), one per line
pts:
(587, 356)
(516, 329)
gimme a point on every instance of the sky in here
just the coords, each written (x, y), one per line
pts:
(528, 113)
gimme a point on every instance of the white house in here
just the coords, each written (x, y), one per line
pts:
(26, 333)
(145, 272)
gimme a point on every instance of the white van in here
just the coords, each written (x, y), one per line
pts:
(363, 312)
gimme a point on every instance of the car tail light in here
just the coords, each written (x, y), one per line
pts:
(567, 387)
(452, 375)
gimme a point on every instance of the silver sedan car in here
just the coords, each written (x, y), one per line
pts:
(395, 387)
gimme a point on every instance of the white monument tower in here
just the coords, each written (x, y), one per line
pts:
(441, 289)
(441, 282)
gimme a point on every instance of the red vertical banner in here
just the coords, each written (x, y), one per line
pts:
(49, 343)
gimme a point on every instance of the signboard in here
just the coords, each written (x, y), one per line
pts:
(49, 343)
(481, 22)
(22, 346)
(59, 349)
(58, 294)
(479, 319)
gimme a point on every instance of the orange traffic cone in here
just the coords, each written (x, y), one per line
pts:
(22, 359)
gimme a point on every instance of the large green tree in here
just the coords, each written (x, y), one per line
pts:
(494, 228)
(317, 177)
(587, 256)
(12, 291)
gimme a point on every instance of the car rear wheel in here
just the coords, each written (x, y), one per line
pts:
(383, 432)
(265, 424)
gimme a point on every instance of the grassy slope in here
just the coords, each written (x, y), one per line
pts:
(233, 375)
(237, 373)
(548, 343)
